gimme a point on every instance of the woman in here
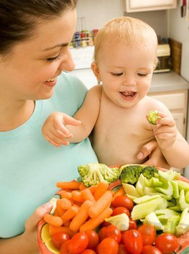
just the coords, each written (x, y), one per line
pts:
(34, 51)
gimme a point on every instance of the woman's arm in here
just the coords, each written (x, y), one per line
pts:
(26, 243)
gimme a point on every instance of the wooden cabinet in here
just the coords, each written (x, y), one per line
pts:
(148, 5)
(176, 101)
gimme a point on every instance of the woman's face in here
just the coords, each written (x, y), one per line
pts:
(30, 70)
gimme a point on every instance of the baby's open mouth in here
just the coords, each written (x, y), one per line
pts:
(128, 93)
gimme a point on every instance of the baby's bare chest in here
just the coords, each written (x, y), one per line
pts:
(119, 135)
(120, 124)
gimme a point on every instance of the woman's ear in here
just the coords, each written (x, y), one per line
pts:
(95, 70)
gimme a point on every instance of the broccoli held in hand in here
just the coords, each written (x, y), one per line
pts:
(131, 173)
(94, 173)
(153, 116)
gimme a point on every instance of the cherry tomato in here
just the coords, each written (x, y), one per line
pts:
(149, 249)
(102, 233)
(184, 240)
(132, 224)
(64, 247)
(123, 201)
(167, 243)
(88, 251)
(120, 210)
(59, 238)
(108, 245)
(122, 249)
(78, 243)
(105, 224)
(110, 231)
(133, 241)
(148, 233)
(93, 239)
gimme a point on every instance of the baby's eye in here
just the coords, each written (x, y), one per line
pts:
(142, 74)
(117, 74)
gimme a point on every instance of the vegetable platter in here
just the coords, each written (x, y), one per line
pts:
(132, 209)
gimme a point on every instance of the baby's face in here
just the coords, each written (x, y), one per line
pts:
(126, 71)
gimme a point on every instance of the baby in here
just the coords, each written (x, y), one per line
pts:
(116, 110)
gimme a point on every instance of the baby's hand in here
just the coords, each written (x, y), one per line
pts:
(54, 129)
(165, 130)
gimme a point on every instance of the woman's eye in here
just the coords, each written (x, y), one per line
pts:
(117, 74)
(50, 59)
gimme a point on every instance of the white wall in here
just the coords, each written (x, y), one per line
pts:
(178, 29)
(95, 13)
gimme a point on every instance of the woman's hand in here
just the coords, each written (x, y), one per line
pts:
(152, 155)
(26, 243)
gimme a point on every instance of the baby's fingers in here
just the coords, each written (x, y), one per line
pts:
(68, 120)
(165, 121)
(55, 140)
(165, 136)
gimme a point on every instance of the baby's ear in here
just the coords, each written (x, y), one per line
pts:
(95, 70)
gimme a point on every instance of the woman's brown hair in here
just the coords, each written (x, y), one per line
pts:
(18, 18)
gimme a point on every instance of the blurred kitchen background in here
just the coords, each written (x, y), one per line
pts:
(170, 19)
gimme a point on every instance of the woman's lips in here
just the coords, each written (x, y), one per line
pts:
(50, 82)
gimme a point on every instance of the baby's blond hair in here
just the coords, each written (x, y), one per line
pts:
(127, 29)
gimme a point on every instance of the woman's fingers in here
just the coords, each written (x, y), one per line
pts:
(33, 220)
(147, 149)
(157, 159)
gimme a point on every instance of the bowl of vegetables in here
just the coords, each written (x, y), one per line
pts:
(135, 209)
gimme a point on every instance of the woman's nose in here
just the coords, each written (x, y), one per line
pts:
(67, 64)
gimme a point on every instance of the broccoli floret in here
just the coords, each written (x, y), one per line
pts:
(130, 173)
(149, 171)
(153, 116)
(94, 173)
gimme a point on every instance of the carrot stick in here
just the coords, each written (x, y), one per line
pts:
(76, 196)
(95, 222)
(103, 202)
(93, 188)
(100, 189)
(82, 186)
(65, 203)
(53, 220)
(87, 195)
(53, 230)
(119, 192)
(81, 216)
(58, 210)
(65, 194)
(70, 213)
(72, 185)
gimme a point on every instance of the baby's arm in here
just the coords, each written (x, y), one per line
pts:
(61, 129)
(173, 146)
(54, 129)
